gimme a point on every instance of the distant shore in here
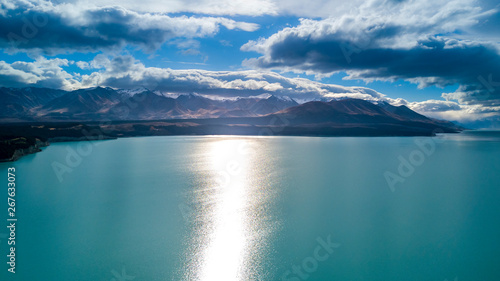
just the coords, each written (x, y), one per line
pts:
(19, 139)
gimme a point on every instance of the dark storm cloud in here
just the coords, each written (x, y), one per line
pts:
(56, 29)
(433, 57)
(48, 31)
(433, 61)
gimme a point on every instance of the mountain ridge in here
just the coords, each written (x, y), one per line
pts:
(104, 103)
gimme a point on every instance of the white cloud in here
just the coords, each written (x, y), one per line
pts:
(373, 22)
(82, 64)
(251, 84)
(449, 110)
(42, 73)
(208, 7)
(435, 106)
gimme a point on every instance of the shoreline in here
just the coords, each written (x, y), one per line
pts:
(19, 139)
(37, 147)
(21, 148)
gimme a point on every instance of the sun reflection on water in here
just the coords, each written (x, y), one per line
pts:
(224, 256)
(225, 222)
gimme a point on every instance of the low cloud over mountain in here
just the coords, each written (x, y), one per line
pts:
(40, 104)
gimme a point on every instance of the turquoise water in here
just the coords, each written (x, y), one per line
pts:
(250, 208)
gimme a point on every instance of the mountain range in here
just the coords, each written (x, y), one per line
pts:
(98, 104)
(30, 118)
(39, 104)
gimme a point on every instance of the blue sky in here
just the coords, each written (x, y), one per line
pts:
(439, 58)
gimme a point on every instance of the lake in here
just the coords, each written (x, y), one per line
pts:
(258, 208)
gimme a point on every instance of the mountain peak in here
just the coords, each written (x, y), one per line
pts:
(279, 98)
(360, 113)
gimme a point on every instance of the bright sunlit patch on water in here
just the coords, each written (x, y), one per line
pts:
(224, 256)
(224, 235)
